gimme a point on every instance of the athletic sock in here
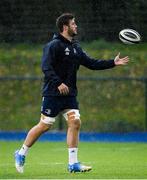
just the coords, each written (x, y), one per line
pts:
(24, 150)
(72, 153)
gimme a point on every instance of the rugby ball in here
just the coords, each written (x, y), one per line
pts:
(129, 36)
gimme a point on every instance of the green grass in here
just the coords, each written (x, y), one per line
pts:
(48, 160)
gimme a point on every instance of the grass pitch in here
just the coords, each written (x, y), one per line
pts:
(48, 160)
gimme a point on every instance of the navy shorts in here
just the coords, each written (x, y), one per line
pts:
(53, 105)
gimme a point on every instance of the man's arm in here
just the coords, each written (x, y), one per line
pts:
(48, 59)
(101, 64)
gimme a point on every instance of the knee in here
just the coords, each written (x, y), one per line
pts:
(43, 127)
(74, 124)
(73, 119)
(45, 123)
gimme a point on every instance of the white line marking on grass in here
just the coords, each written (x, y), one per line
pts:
(54, 163)
(5, 164)
(30, 164)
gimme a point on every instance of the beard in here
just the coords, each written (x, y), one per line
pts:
(71, 32)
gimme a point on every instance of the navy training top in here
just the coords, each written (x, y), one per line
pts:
(60, 62)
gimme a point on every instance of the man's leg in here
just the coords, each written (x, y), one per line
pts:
(74, 123)
(73, 130)
(73, 137)
(35, 133)
(43, 126)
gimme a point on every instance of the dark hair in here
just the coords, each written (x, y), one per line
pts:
(63, 20)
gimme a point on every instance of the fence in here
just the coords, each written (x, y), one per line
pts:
(107, 104)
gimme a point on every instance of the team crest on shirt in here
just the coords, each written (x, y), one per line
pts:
(67, 51)
(48, 111)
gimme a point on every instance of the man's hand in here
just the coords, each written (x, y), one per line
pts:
(121, 61)
(63, 89)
